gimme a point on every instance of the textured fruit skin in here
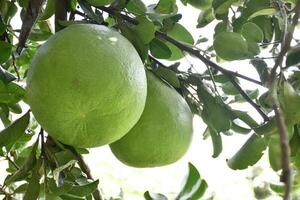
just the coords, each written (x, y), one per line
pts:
(87, 86)
(200, 4)
(163, 133)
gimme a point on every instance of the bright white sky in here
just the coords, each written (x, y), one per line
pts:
(227, 184)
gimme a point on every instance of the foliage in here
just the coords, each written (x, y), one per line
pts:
(41, 167)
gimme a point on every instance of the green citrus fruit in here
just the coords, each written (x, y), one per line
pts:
(163, 133)
(200, 4)
(99, 2)
(87, 86)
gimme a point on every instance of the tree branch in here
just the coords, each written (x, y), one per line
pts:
(31, 15)
(61, 12)
(230, 75)
(282, 129)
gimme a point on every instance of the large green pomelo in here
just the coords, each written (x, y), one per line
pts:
(163, 133)
(87, 86)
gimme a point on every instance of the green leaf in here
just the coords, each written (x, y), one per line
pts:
(25, 168)
(261, 68)
(136, 7)
(205, 17)
(84, 190)
(48, 11)
(5, 51)
(239, 129)
(11, 93)
(154, 196)
(274, 152)
(57, 171)
(6, 76)
(224, 43)
(266, 11)
(221, 6)
(249, 153)
(295, 142)
(168, 75)
(253, 6)
(252, 33)
(181, 34)
(39, 35)
(12, 133)
(166, 6)
(216, 142)
(293, 57)
(145, 29)
(266, 25)
(33, 188)
(194, 187)
(229, 88)
(89, 11)
(56, 190)
(159, 49)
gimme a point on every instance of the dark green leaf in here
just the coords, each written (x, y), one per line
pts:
(39, 35)
(89, 11)
(49, 10)
(293, 57)
(266, 25)
(261, 68)
(11, 93)
(12, 133)
(136, 7)
(295, 142)
(5, 51)
(33, 188)
(159, 49)
(266, 12)
(239, 129)
(145, 29)
(168, 75)
(253, 94)
(221, 6)
(25, 168)
(194, 187)
(84, 190)
(249, 153)
(205, 17)
(216, 142)
(15, 108)
(274, 152)
(154, 196)
(5, 76)
(56, 190)
(166, 6)
(245, 118)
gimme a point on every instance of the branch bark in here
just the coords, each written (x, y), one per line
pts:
(287, 36)
(32, 12)
(61, 12)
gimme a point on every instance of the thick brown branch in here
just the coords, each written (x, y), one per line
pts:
(31, 15)
(61, 12)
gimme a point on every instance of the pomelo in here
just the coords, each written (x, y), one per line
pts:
(87, 85)
(163, 133)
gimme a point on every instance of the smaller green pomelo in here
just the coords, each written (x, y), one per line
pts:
(163, 133)
(180, 33)
(200, 4)
(99, 2)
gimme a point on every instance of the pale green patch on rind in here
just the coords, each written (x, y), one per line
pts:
(163, 133)
(87, 86)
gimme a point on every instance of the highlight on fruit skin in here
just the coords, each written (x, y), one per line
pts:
(163, 133)
(86, 86)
